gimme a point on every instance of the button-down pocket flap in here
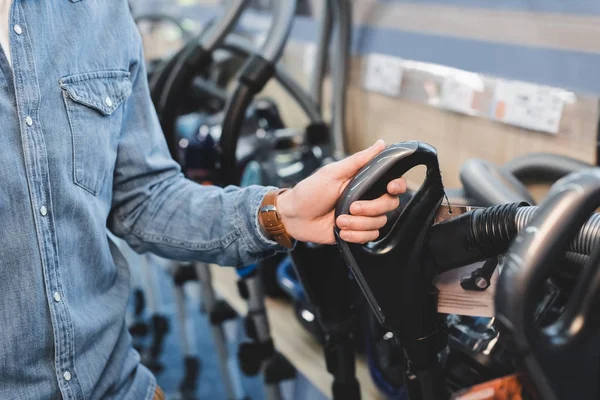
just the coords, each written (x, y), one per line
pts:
(103, 91)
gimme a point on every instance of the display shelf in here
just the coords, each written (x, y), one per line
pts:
(291, 339)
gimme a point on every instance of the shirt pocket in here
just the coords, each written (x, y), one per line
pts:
(93, 107)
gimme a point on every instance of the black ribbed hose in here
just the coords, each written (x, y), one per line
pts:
(494, 228)
(488, 232)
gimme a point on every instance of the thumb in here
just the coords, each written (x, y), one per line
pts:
(349, 166)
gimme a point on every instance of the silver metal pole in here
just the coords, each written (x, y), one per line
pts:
(231, 377)
(342, 16)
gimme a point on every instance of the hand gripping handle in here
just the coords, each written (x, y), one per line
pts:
(389, 270)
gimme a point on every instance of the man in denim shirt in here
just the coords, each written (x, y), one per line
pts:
(81, 150)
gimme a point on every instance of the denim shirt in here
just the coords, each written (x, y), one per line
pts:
(81, 151)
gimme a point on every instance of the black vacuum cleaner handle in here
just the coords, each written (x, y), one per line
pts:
(394, 273)
(398, 253)
(393, 162)
(564, 355)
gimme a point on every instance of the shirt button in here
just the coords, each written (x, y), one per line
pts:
(67, 376)
(44, 211)
(29, 121)
(18, 30)
(56, 297)
(108, 102)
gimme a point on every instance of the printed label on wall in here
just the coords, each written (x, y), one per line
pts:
(529, 106)
(383, 74)
(457, 96)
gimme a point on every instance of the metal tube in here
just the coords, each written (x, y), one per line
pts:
(320, 62)
(231, 378)
(256, 308)
(258, 313)
(284, 12)
(342, 16)
(184, 337)
(150, 284)
(243, 48)
(217, 32)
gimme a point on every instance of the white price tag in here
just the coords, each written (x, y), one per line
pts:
(310, 53)
(528, 105)
(457, 96)
(453, 299)
(383, 74)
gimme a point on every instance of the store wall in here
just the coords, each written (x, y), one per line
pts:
(457, 137)
(549, 42)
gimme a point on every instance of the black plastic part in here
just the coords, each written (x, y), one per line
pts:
(341, 363)
(562, 359)
(228, 172)
(256, 72)
(183, 274)
(254, 76)
(346, 390)
(189, 383)
(139, 329)
(543, 167)
(390, 271)
(317, 134)
(160, 74)
(267, 270)
(480, 279)
(324, 277)
(474, 236)
(395, 273)
(193, 61)
(160, 328)
(221, 313)
(413, 388)
(243, 289)
(250, 328)
(385, 353)
(139, 302)
(489, 185)
(313, 326)
(251, 356)
(278, 369)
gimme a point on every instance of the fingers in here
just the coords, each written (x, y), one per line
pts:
(354, 223)
(359, 237)
(397, 186)
(374, 208)
(349, 166)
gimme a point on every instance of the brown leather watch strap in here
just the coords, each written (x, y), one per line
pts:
(270, 220)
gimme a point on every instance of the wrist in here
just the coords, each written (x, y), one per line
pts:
(274, 212)
(285, 208)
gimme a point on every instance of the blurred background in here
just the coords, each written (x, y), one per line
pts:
(478, 80)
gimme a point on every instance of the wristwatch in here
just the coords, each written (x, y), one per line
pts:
(270, 220)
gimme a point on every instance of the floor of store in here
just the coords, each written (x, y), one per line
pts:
(210, 385)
